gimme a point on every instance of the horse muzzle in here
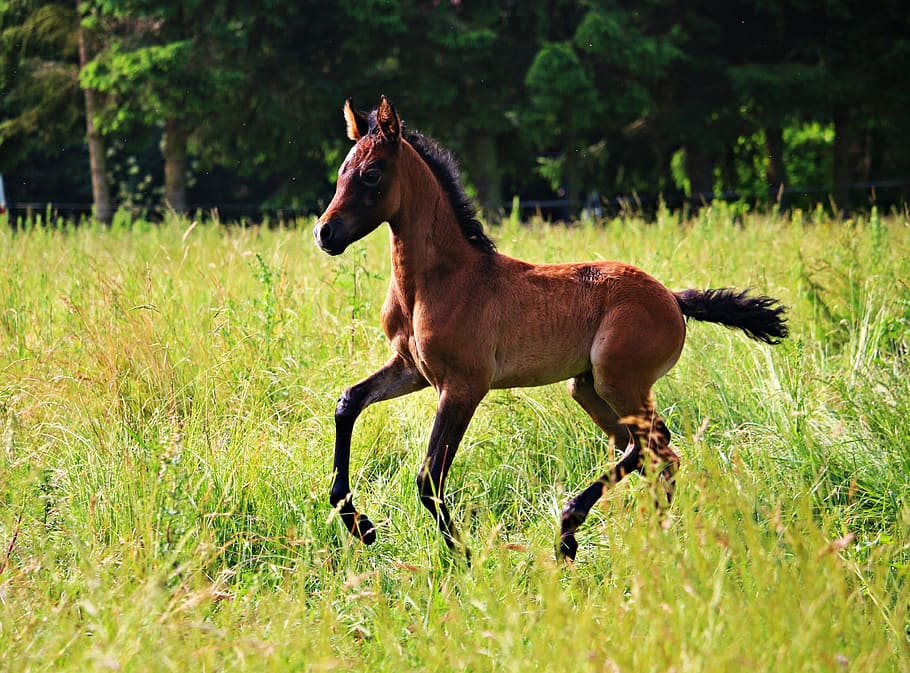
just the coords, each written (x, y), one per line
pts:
(330, 236)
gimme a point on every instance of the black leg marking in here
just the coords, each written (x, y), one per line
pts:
(452, 418)
(578, 508)
(395, 379)
(651, 439)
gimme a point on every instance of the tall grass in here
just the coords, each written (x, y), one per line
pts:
(166, 398)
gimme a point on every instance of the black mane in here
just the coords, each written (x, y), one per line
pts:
(445, 167)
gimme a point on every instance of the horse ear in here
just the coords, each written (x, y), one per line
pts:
(357, 123)
(388, 120)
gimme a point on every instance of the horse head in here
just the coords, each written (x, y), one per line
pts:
(366, 194)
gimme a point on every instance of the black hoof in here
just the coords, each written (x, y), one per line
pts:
(571, 521)
(568, 547)
(364, 529)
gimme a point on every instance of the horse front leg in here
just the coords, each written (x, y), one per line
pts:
(452, 417)
(398, 377)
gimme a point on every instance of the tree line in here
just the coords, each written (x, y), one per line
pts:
(142, 103)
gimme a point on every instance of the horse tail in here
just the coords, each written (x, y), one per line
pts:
(761, 318)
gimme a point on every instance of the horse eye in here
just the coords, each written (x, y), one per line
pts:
(371, 177)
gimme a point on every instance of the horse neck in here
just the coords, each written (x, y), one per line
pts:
(425, 234)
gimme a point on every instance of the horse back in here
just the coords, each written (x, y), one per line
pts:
(522, 324)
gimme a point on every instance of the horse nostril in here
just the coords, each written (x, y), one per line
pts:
(324, 233)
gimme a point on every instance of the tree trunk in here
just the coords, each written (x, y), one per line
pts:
(101, 195)
(776, 173)
(842, 174)
(484, 169)
(865, 161)
(570, 175)
(175, 166)
(700, 173)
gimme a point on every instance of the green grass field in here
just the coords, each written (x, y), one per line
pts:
(166, 400)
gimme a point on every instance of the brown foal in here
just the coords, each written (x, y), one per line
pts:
(464, 319)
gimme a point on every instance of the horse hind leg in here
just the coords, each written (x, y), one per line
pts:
(648, 447)
(582, 390)
(653, 436)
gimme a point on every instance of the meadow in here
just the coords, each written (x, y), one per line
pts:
(166, 401)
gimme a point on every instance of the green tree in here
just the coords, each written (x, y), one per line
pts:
(279, 121)
(599, 94)
(101, 196)
(456, 70)
(470, 74)
(593, 96)
(564, 112)
(629, 54)
(162, 63)
(864, 57)
(39, 77)
(43, 122)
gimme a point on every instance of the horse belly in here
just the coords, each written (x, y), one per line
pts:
(546, 328)
(527, 377)
(539, 361)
